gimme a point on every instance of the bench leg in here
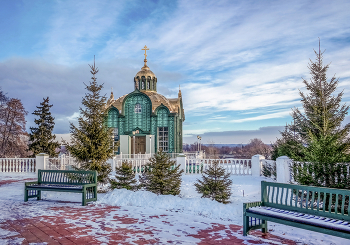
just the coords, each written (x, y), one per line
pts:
(245, 225)
(84, 197)
(264, 227)
(38, 197)
(25, 195)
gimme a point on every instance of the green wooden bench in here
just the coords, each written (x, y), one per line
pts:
(319, 209)
(84, 182)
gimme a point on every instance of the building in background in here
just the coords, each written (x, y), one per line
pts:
(145, 121)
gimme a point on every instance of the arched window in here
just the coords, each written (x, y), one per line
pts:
(148, 85)
(143, 85)
(138, 108)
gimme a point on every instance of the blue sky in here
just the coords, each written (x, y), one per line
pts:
(239, 63)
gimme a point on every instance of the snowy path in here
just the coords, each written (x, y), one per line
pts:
(123, 217)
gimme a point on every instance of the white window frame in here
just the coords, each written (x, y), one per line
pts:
(163, 138)
(138, 108)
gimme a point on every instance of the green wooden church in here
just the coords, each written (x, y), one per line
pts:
(145, 121)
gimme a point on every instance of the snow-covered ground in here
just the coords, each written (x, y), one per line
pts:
(186, 208)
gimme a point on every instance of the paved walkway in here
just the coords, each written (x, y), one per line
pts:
(55, 222)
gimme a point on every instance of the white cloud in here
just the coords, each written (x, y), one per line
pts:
(263, 117)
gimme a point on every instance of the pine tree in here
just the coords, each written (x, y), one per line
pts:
(41, 137)
(215, 184)
(326, 142)
(161, 175)
(91, 142)
(125, 177)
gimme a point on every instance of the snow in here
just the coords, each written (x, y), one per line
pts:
(183, 211)
(189, 201)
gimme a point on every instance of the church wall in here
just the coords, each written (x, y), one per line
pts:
(125, 144)
(142, 119)
(147, 122)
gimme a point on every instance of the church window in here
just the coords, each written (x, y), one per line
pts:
(163, 136)
(143, 85)
(138, 108)
(148, 85)
(115, 137)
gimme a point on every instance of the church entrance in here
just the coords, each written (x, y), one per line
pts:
(140, 145)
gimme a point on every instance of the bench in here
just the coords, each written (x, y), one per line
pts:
(84, 182)
(319, 209)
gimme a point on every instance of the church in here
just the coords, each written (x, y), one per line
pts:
(145, 121)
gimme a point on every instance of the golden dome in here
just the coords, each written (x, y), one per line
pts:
(146, 72)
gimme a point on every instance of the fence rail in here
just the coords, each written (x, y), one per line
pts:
(18, 165)
(232, 166)
(62, 162)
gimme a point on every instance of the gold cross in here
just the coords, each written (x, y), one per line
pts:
(145, 48)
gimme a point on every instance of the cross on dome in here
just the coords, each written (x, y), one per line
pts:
(145, 48)
(145, 60)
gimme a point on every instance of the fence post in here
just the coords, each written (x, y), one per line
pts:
(114, 158)
(181, 160)
(41, 159)
(256, 165)
(282, 169)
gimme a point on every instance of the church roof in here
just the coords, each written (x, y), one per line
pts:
(157, 99)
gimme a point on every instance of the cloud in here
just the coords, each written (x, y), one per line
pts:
(263, 117)
(267, 134)
(76, 27)
(238, 63)
(31, 80)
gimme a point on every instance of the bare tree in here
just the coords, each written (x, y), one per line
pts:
(256, 146)
(13, 138)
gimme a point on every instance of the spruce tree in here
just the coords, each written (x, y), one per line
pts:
(215, 184)
(41, 138)
(326, 142)
(290, 144)
(323, 113)
(125, 177)
(161, 175)
(91, 142)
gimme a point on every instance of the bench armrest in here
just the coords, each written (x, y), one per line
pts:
(90, 185)
(251, 204)
(31, 183)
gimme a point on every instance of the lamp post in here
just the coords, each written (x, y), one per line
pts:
(133, 132)
(150, 145)
(198, 143)
(113, 142)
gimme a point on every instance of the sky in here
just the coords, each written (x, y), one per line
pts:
(240, 64)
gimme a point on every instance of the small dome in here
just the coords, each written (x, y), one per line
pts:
(146, 72)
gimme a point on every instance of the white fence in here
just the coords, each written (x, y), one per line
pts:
(189, 164)
(26, 165)
(232, 166)
(62, 162)
(138, 165)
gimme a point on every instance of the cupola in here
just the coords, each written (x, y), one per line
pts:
(145, 80)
